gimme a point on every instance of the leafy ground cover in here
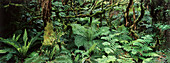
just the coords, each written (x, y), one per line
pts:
(87, 31)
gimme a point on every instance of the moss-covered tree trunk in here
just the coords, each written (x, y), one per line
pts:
(48, 26)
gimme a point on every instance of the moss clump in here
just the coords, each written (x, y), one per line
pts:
(49, 34)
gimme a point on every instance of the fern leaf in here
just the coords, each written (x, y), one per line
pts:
(150, 54)
(3, 51)
(108, 50)
(25, 37)
(92, 47)
(80, 41)
(13, 38)
(17, 37)
(147, 60)
(78, 29)
(62, 59)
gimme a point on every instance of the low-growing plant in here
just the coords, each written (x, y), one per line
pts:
(19, 49)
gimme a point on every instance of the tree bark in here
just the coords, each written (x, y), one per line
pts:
(46, 11)
(168, 31)
(168, 35)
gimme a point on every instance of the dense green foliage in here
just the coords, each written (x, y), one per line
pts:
(87, 31)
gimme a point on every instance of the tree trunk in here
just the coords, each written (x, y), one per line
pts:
(168, 31)
(168, 36)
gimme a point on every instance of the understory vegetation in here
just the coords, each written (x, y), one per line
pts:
(85, 31)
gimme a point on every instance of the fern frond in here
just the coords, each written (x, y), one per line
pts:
(150, 54)
(63, 59)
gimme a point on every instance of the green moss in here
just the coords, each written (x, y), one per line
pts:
(49, 34)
